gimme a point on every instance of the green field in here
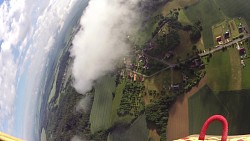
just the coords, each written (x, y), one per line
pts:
(234, 29)
(219, 79)
(208, 13)
(217, 30)
(100, 117)
(136, 132)
(235, 8)
(226, 73)
(234, 105)
(183, 18)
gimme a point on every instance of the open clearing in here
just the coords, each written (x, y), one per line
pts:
(175, 4)
(185, 45)
(100, 117)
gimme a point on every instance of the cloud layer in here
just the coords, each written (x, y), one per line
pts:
(102, 39)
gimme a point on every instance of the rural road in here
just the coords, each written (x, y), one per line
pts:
(220, 47)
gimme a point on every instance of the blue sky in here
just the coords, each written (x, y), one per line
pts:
(23, 58)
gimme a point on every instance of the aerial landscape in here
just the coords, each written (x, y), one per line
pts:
(135, 70)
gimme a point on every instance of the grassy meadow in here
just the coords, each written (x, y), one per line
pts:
(100, 117)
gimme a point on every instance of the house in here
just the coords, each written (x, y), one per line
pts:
(219, 40)
(242, 52)
(227, 35)
(243, 63)
(135, 76)
(174, 87)
(240, 29)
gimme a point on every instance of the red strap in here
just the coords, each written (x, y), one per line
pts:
(211, 119)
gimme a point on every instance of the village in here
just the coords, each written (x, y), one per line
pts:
(230, 33)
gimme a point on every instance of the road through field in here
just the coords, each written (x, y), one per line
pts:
(178, 121)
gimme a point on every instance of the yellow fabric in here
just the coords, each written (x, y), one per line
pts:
(216, 138)
(5, 137)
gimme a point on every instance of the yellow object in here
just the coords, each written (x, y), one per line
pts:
(216, 138)
(5, 137)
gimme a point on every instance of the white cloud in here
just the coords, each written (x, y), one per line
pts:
(102, 39)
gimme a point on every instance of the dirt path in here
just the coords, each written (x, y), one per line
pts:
(178, 121)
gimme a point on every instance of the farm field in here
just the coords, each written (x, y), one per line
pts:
(233, 76)
(232, 8)
(212, 12)
(136, 132)
(219, 79)
(117, 101)
(234, 105)
(102, 106)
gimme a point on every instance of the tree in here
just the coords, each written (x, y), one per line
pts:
(195, 35)
(194, 47)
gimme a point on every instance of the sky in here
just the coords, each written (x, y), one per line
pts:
(28, 29)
